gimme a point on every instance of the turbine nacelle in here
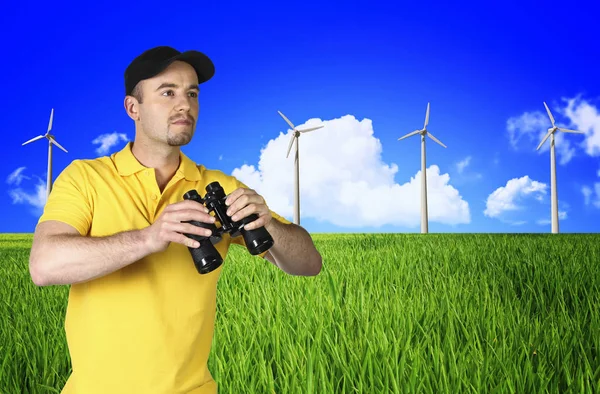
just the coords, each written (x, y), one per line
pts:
(423, 131)
(296, 132)
(554, 128)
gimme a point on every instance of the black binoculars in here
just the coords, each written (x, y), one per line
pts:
(206, 257)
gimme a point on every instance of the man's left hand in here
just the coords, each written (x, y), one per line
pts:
(243, 202)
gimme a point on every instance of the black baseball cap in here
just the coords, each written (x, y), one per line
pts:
(155, 60)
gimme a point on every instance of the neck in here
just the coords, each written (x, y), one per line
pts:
(164, 159)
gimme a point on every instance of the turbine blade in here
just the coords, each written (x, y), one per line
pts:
(52, 140)
(426, 117)
(549, 114)
(571, 131)
(409, 134)
(435, 139)
(33, 139)
(50, 123)
(290, 146)
(287, 120)
(311, 129)
(544, 140)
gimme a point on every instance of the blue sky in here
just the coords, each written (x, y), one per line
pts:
(366, 73)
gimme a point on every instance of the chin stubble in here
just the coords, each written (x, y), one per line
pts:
(181, 138)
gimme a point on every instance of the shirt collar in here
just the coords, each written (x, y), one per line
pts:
(127, 164)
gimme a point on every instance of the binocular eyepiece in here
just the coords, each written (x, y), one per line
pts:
(206, 257)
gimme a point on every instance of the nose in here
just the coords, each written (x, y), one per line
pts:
(183, 104)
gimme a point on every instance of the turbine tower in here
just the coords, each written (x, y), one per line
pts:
(296, 137)
(551, 131)
(423, 132)
(51, 140)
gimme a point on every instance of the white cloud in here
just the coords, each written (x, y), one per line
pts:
(35, 199)
(587, 193)
(526, 125)
(465, 176)
(562, 215)
(532, 128)
(584, 117)
(107, 141)
(461, 165)
(343, 180)
(591, 196)
(507, 198)
(16, 177)
(578, 114)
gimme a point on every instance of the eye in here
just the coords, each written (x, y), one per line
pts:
(168, 92)
(194, 94)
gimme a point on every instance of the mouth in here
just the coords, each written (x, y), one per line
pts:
(183, 121)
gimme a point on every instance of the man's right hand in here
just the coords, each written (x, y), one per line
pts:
(168, 227)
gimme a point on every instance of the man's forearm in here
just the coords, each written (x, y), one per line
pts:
(294, 251)
(68, 259)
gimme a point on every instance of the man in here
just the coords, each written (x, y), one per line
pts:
(140, 318)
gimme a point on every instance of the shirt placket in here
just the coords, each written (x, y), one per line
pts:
(152, 193)
(159, 200)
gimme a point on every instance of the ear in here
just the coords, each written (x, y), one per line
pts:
(131, 107)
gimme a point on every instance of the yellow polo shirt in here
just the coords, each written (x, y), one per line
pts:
(146, 328)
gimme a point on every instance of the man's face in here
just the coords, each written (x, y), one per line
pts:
(169, 107)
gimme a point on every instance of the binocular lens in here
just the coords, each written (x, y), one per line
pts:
(206, 257)
(257, 241)
(209, 264)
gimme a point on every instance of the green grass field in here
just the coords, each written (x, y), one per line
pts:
(397, 313)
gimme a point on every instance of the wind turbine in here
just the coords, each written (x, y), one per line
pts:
(423, 132)
(551, 131)
(296, 137)
(51, 140)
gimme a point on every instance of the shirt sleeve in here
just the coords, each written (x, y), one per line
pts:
(240, 240)
(69, 201)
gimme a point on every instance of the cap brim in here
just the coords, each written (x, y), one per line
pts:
(202, 64)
